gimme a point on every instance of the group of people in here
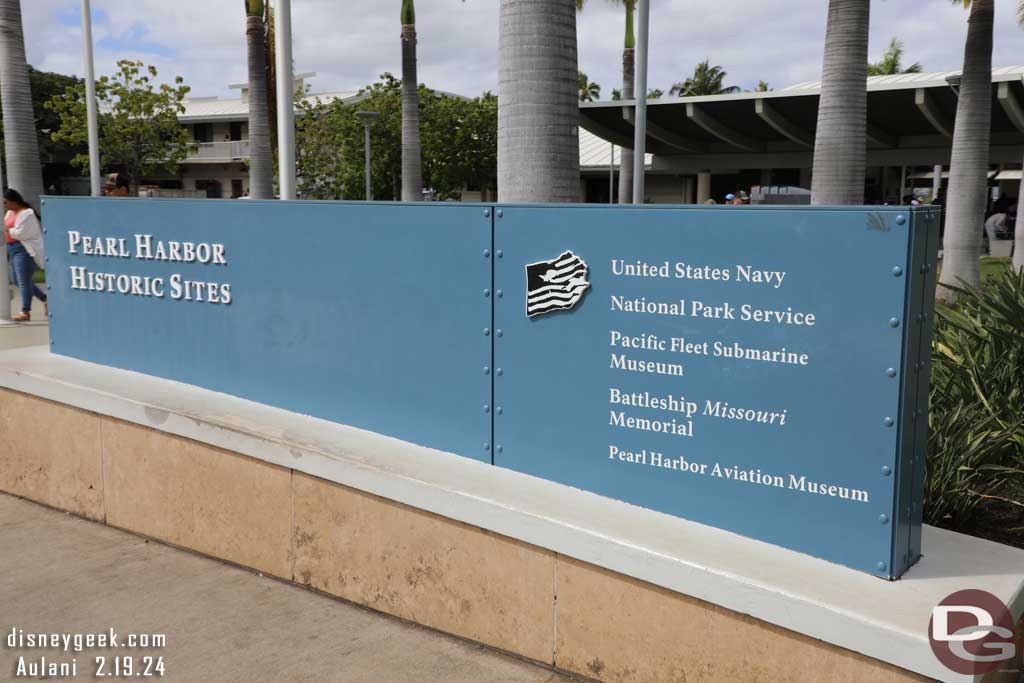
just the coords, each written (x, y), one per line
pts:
(737, 198)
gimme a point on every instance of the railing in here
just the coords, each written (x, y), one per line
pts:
(233, 150)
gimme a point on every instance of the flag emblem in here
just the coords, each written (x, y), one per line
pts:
(555, 285)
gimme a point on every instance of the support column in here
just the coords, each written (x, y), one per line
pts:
(703, 186)
(805, 178)
(689, 189)
(936, 180)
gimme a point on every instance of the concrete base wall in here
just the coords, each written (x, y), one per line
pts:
(397, 559)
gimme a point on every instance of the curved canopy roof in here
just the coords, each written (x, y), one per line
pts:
(910, 121)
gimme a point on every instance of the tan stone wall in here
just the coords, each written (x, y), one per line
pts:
(397, 559)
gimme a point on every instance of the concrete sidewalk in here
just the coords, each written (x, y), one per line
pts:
(32, 333)
(62, 574)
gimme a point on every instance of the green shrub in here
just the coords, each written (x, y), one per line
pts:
(976, 436)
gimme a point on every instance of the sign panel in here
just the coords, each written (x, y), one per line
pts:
(741, 367)
(370, 315)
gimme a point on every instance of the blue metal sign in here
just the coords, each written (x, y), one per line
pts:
(762, 370)
(370, 315)
(744, 368)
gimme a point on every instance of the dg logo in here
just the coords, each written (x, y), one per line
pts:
(971, 632)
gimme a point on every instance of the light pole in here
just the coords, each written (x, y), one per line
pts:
(640, 117)
(285, 97)
(367, 118)
(90, 102)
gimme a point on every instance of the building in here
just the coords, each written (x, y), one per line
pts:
(708, 146)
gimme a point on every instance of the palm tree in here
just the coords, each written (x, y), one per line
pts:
(892, 62)
(23, 170)
(968, 166)
(840, 143)
(588, 91)
(706, 80)
(261, 162)
(655, 93)
(538, 108)
(762, 86)
(412, 166)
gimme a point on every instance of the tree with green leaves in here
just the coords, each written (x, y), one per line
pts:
(412, 164)
(891, 62)
(762, 86)
(967, 196)
(655, 93)
(538, 106)
(261, 160)
(459, 140)
(840, 141)
(706, 80)
(24, 172)
(139, 128)
(588, 91)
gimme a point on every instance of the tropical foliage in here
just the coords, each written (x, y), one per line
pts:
(459, 139)
(588, 91)
(892, 62)
(706, 80)
(139, 128)
(976, 438)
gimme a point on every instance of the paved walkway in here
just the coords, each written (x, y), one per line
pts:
(32, 333)
(62, 574)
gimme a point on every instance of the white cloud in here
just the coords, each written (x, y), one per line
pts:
(777, 42)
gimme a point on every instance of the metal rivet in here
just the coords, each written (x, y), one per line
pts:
(883, 519)
(500, 213)
(500, 293)
(487, 332)
(46, 259)
(487, 253)
(901, 219)
(894, 322)
(51, 342)
(888, 422)
(487, 293)
(897, 271)
(927, 267)
(886, 470)
(499, 410)
(498, 332)
(499, 449)
(44, 229)
(487, 446)
(487, 213)
(890, 372)
(49, 315)
(487, 370)
(500, 372)
(500, 253)
(487, 408)
(881, 566)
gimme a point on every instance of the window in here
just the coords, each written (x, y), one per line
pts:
(202, 132)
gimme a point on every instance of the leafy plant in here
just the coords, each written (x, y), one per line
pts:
(138, 121)
(976, 437)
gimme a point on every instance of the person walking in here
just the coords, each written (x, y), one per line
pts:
(24, 238)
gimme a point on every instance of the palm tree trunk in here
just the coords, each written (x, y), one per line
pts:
(261, 162)
(538, 111)
(968, 167)
(1018, 235)
(840, 145)
(412, 166)
(626, 164)
(23, 170)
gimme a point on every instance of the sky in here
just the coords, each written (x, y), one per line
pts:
(204, 40)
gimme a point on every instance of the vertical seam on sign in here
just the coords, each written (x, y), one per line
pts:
(895, 518)
(103, 468)
(291, 523)
(554, 610)
(494, 350)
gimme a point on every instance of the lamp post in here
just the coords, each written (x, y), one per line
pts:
(640, 117)
(91, 115)
(367, 118)
(285, 97)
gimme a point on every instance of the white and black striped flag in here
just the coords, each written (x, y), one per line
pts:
(555, 285)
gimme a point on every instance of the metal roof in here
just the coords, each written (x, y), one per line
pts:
(200, 109)
(596, 153)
